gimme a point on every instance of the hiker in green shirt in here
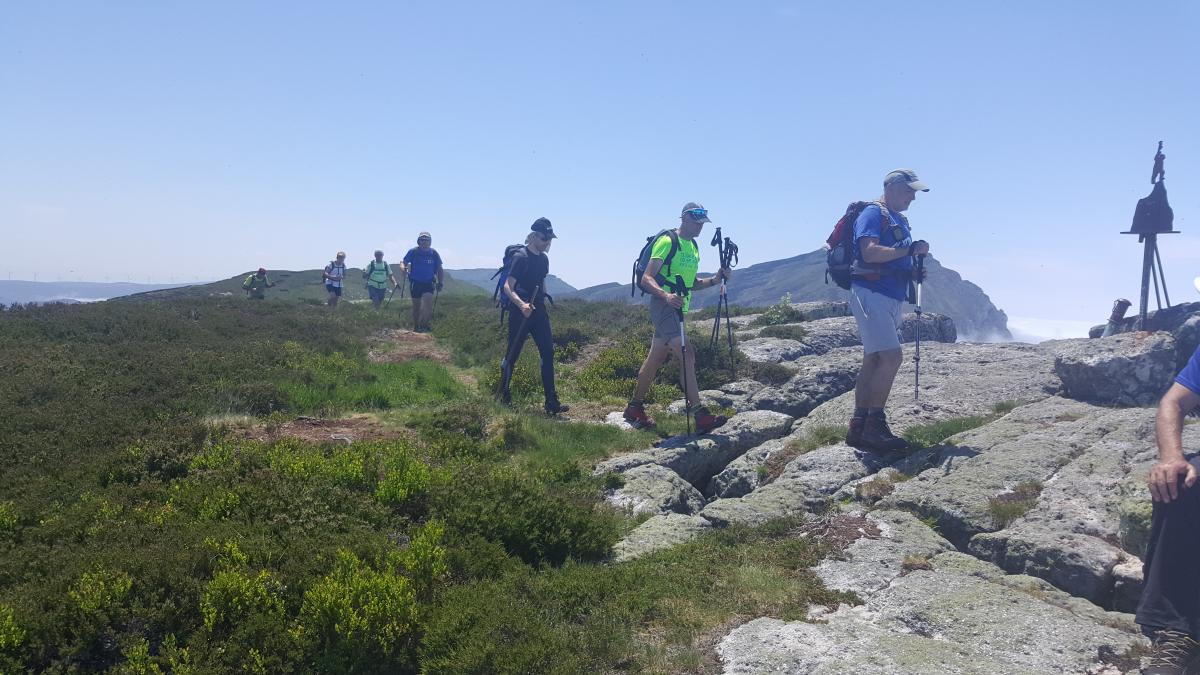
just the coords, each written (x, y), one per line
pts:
(673, 258)
(256, 285)
(378, 275)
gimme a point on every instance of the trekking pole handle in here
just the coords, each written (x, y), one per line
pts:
(920, 272)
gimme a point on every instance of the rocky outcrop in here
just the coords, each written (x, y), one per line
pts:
(658, 533)
(1035, 515)
(1123, 369)
(823, 335)
(960, 615)
(957, 380)
(655, 489)
(698, 459)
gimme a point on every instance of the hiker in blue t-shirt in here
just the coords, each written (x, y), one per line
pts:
(880, 277)
(1169, 610)
(423, 267)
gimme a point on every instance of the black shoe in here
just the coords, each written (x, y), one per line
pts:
(854, 431)
(1174, 653)
(556, 408)
(877, 436)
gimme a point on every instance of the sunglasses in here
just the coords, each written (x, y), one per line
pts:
(697, 213)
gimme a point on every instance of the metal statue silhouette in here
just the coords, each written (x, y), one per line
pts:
(1152, 217)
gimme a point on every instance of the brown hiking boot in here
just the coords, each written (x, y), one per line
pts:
(706, 421)
(637, 417)
(877, 436)
(854, 432)
(1174, 653)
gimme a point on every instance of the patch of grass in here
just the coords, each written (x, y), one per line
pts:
(785, 331)
(815, 437)
(1008, 507)
(1004, 407)
(877, 488)
(331, 384)
(915, 562)
(582, 618)
(931, 435)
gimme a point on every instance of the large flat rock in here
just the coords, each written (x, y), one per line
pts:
(655, 489)
(957, 380)
(818, 379)
(960, 616)
(1123, 369)
(658, 533)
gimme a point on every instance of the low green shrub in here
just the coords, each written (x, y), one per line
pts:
(539, 523)
(358, 619)
(780, 313)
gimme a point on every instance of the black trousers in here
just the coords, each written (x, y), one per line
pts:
(1171, 591)
(538, 326)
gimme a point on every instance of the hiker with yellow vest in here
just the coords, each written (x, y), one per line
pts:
(378, 275)
(669, 278)
(256, 285)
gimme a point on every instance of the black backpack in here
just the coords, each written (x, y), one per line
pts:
(501, 299)
(839, 254)
(643, 259)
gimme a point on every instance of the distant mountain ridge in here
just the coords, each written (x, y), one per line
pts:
(293, 285)
(23, 292)
(482, 277)
(803, 276)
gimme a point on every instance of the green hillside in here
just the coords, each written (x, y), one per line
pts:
(303, 285)
(210, 485)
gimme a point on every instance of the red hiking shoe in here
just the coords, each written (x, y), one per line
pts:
(706, 421)
(637, 417)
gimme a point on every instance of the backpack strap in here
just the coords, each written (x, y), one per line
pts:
(662, 280)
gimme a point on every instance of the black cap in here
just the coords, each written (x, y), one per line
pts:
(542, 226)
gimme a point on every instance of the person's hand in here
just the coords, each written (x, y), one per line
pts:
(920, 247)
(675, 301)
(527, 309)
(725, 273)
(918, 273)
(1164, 479)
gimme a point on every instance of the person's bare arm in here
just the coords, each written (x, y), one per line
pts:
(650, 283)
(1164, 476)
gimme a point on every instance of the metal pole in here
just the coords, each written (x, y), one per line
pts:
(1161, 275)
(681, 289)
(917, 357)
(1147, 265)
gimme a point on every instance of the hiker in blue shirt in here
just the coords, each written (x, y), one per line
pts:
(880, 276)
(1169, 609)
(423, 267)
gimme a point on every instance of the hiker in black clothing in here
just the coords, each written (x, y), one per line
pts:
(526, 289)
(1169, 609)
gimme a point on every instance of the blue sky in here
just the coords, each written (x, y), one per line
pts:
(160, 141)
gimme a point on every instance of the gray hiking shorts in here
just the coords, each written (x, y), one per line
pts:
(878, 317)
(665, 320)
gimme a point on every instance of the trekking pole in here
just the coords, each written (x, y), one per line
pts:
(716, 329)
(917, 357)
(390, 296)
(682, 289)
(729, 261)
(514, 340)
(433, 310)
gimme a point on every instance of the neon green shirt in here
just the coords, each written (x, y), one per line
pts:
(686, 262)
